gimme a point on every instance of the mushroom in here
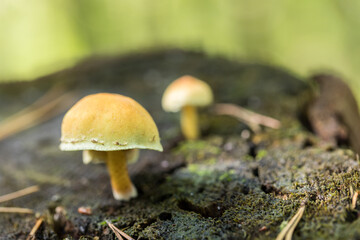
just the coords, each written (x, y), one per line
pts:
(110, 128)
(185, 94)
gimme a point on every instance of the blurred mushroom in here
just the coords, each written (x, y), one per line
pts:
(185, 94)
(110, 128)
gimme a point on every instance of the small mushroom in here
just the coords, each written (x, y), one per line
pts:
(185, 94)
(110, 128)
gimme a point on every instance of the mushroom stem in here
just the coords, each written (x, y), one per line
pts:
(122, 187)
(189, 122)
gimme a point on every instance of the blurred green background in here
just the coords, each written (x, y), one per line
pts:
(38, 37)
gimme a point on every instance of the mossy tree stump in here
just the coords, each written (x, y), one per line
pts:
(224, 186)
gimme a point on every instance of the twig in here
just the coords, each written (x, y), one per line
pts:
(354, 199)
(34, 229)
(118, 231)
(42, 110)
(287, 232)
(19, 193)
(251, 118)
(16, 210)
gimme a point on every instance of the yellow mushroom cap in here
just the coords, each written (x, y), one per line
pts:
(186, 91)
(108, 122)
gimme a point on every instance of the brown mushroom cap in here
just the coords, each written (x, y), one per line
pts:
(108, 122)
(186, 91)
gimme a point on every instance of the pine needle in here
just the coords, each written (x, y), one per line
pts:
(112, 227)
(354, 199)
(34, 229)
(16, 210)
(287, 232)
(54, 92)
(118, 232)
(51, 104)
(19, 193)
(252, 119)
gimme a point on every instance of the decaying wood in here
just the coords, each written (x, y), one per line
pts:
(221, 186)
(333, 113)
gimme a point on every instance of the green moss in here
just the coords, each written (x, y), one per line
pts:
(227, 176)
(102, 223)
(261, 154)
(200, 150)
(198, 170)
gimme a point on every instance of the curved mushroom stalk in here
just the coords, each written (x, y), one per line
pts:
(189, 122)
(122, 187)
